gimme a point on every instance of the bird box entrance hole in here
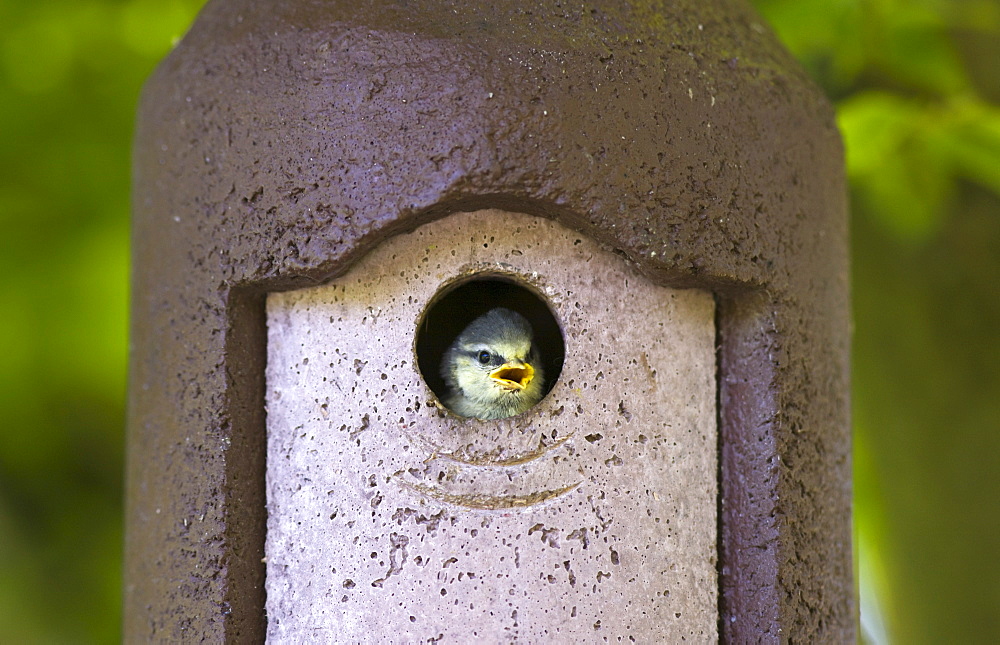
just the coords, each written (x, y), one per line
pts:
(465, 299)
(390, 519)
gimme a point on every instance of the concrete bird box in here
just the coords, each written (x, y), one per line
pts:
(326, 195)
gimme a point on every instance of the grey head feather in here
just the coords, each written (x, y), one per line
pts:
(497, 325)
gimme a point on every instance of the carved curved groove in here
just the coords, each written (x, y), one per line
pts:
(490, 502)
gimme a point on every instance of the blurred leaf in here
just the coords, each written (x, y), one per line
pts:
(825, 35)
(974, 145)
(910, 47)
(892, 162)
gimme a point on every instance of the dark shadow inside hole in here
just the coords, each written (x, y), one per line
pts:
(455, 306)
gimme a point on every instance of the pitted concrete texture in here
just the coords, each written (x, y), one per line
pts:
(590, 518)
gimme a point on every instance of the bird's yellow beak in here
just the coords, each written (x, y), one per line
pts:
(514, 375)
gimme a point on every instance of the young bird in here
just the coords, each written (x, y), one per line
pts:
(492, 369)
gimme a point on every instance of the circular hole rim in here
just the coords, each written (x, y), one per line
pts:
(528, 283)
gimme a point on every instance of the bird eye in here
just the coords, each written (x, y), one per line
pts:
(484, 357)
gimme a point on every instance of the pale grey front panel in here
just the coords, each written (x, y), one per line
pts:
(592, 516)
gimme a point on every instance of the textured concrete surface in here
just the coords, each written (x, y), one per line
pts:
(281, 141)
(590, 517)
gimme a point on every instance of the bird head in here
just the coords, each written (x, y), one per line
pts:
(492, 368)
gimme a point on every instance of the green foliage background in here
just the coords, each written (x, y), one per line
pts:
(917, 93)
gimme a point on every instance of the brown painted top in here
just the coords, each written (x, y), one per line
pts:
(282, 140)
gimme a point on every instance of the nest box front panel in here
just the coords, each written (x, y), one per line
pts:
(590, 515)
